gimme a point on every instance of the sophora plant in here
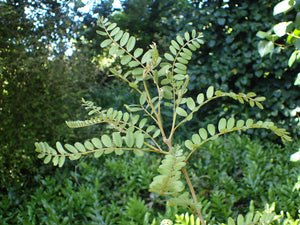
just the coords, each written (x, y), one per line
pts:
(140, 127)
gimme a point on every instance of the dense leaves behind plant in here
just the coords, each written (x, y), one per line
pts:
(289, 30)
(141, 127)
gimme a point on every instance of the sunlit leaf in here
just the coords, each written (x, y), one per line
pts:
(203, 133)
(179, 40)
(196, 139)
(139, 140)
(96, 142)
(210, 92)
(118, 35)
(175, 44)
(169, 57)
(146, 57)
(130, 44)
(190, 104)
(187, 36)
(240, 123)
(200, 98)
(119, 151)
(173, 50)
(114, 31)
(106, 140)
(47, 159)
(88, 145)
(129, 139)
(142, 123)
(156, 133)
(230, 123)
(181, 112)
(105, 43)
(265, 47)
(124, 39)
(55, 160)
(61, 161)
(117, 139)
(222, 124)
(249, 122)
(138, 52)
(211, 129)
(111, 26)
(125, 59)
(98, 153)
(80, 147)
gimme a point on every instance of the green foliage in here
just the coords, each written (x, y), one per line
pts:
(169, 183)
(287, 30)
(129, 131)
(96, 192)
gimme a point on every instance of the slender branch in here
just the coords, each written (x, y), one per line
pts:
(192, 190)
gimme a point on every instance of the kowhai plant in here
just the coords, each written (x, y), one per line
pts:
(141, 127)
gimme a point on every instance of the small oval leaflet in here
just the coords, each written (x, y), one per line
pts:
(105, 43)
(181, 112)
(142, 123)
(98, 153)
(222, 124)
(138, 52)
(96, 142)
(106, 140)
(88, 145)
(187, 36)
(200, 98)
(169, 57)
(179, 40)
(203, 133)
(211, 129)
(210, 92)
(175, 44)
(192, 47)
(156, 133)
(125, 59)
(190, 104)
(124, 39)
(133, 64)
(71, 148)
(117, 139)
(119, 151)
(119, 35)
(181, 66)
(80, 147)
(55, 160)
(129, 139)
(47, 159)
(139, 140)
(182, 60)
(125, 116)
(189, 144)
(196, 139)
(60, 148)
(115, 31)
(146, 57)
(179, 71)
(61, 161)
(130, 44)
(173, 50)
(249, 122)
(230, 123)
(111, 26)
(240, 123)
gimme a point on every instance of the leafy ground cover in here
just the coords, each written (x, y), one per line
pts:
(229, 173)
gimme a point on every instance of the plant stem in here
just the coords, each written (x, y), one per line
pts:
(193, 194)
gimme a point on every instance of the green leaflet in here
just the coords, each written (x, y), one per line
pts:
(168, 182)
